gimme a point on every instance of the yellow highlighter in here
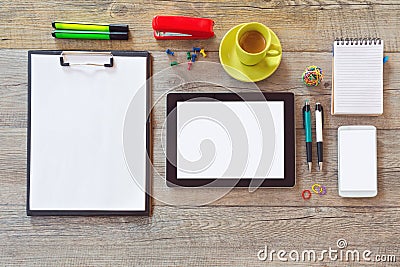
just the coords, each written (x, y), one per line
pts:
(81, 26)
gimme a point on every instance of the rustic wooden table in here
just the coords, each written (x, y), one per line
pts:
(231, 230)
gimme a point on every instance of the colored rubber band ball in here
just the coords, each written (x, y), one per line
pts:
(312, 76)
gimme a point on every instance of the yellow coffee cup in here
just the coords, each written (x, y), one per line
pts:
(253, 43)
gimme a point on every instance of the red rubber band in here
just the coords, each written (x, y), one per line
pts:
(303, 194)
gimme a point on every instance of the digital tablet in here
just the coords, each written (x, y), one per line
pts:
(230, 139)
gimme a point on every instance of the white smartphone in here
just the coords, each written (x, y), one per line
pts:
(357, 161)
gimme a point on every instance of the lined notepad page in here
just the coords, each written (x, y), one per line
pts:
(358, 78)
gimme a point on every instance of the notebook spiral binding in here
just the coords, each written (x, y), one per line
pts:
(358, 41)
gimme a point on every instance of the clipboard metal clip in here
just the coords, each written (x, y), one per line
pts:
(64, 54)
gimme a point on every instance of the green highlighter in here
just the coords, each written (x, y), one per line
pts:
(95, 27)
(71, 34)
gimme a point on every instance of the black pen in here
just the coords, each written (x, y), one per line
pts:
(307, 128)
(319, 123)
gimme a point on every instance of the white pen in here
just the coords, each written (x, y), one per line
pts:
(319, 121)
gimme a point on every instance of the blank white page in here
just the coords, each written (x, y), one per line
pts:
(357, 161)
(358, 78)
(193, 130)
(77, 117)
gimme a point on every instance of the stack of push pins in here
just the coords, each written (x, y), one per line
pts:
(191, 56)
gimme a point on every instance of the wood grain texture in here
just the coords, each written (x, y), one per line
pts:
(13, 84)
(231, 230)
(301, 25)
(207, 236)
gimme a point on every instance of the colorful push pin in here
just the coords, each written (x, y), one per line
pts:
(385, 59)
(196, 49)
(203, 53)
(189, 65)
(174, 63)
(169, 52)
(194, 56)
(188, 56)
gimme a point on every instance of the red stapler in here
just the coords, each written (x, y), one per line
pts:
(179, 28)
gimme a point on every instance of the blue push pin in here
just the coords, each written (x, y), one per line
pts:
(194, 57)
(385, 59)
(196, 49)
(169, 52)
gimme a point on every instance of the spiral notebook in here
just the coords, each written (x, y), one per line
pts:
(357, 76)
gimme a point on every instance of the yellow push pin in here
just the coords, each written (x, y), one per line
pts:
(202, 52)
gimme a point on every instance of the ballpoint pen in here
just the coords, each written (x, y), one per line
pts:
(319, 124)
(307, 128)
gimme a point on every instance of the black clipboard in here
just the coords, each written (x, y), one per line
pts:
(63, 61)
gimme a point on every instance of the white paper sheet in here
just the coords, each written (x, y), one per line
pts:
(77, 116)
(358, 78)
(220, 131)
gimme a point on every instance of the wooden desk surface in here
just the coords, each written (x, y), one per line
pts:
(231, 230)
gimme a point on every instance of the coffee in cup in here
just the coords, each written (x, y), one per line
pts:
(253, 43)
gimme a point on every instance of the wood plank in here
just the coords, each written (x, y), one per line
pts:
(13, 86)
(389, 119)
(301, 25)
(285, 79)
(201, 236)
(13, 173)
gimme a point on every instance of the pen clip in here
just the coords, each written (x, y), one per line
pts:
(304, 117)
(323, 117)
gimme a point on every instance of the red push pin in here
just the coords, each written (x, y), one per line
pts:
(189, 65)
